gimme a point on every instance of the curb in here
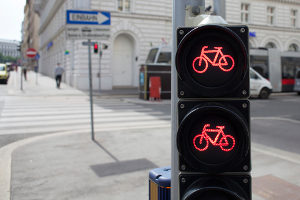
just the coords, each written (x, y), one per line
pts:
(6, 157)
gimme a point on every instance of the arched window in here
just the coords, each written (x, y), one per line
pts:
(293, 47)
(270, 45)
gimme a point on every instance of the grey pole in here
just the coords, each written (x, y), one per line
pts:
(179, 14)
(36, 73)
(21, 78)
(100, 57)
(178, 20)
(91, 90)
(219, 8)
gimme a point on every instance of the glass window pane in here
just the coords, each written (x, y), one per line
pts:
(151, 56)
(164, 57)
(127, 5)
(120, 5)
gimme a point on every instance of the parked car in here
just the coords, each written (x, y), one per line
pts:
(159, 55)
(297, 82)
(259, 86)
(4, 74)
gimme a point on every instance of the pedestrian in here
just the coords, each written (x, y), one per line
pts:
(25, 73)
(58, 73)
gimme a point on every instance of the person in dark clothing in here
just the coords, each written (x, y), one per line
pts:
(58, 74)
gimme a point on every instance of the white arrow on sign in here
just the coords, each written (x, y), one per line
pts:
(102, 18)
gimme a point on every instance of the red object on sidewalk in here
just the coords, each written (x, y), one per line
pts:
(155, 88)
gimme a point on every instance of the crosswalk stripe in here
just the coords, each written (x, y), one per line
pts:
(13, 120)
(46, 115)
(66, 112)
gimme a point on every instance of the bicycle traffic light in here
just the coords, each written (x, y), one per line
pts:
(95, 47)
(212, 61)
(213, 136)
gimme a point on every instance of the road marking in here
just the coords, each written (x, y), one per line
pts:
(277, 153)
(276, 118)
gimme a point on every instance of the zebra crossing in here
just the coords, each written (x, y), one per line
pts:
(40, 114)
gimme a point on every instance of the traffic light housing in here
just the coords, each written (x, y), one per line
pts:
(19, 48)
(213, 136)
(95, 47)
(211, 187)
(212, 61)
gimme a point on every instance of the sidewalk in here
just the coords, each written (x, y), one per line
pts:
(68, 165)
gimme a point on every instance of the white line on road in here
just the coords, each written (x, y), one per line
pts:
(276, 118)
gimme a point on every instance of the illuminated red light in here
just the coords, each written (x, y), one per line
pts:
(201, 141)
(203, 60)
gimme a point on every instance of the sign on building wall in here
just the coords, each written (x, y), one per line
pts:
(87, 24)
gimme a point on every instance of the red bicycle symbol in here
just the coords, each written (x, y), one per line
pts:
(200, 64)
(201, 141)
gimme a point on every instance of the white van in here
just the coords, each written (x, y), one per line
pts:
(297, 82)
(259, 86)
(159, 55)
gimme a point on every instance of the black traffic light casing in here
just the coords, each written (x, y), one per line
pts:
(19, 48)
(217, 79)
(213, 136)
(202, 119)
(96, 47)
(211, 187)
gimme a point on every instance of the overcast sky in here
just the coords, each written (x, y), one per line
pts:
(11, 17)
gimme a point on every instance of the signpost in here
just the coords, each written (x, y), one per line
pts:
(37, 58)
(88, 25)
(31, 53)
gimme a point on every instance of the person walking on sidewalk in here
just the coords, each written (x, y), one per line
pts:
(58, 74)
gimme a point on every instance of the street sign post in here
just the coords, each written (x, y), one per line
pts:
(88, 25)
(37, 58)
(79, 32)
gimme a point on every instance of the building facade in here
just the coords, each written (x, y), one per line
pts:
(136, 26)
(9, 48)
(272, 23)
(30, 34)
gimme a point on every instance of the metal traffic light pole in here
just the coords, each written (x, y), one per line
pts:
(91, 90)
(179, 16)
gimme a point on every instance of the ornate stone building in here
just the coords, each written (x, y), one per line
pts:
(30, 34)
(136, 26)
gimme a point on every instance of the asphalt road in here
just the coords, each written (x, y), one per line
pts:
(275, 122)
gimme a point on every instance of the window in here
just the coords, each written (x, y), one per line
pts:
(293, 47)
(164, 57)
(270, 15)
(293, 18)
(245, 13)
(253, 75)
(298, 74)
(124, 5)
(152, 55)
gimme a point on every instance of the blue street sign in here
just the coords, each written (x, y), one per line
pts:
(252, 34)
(37, 56)
(88, 17)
